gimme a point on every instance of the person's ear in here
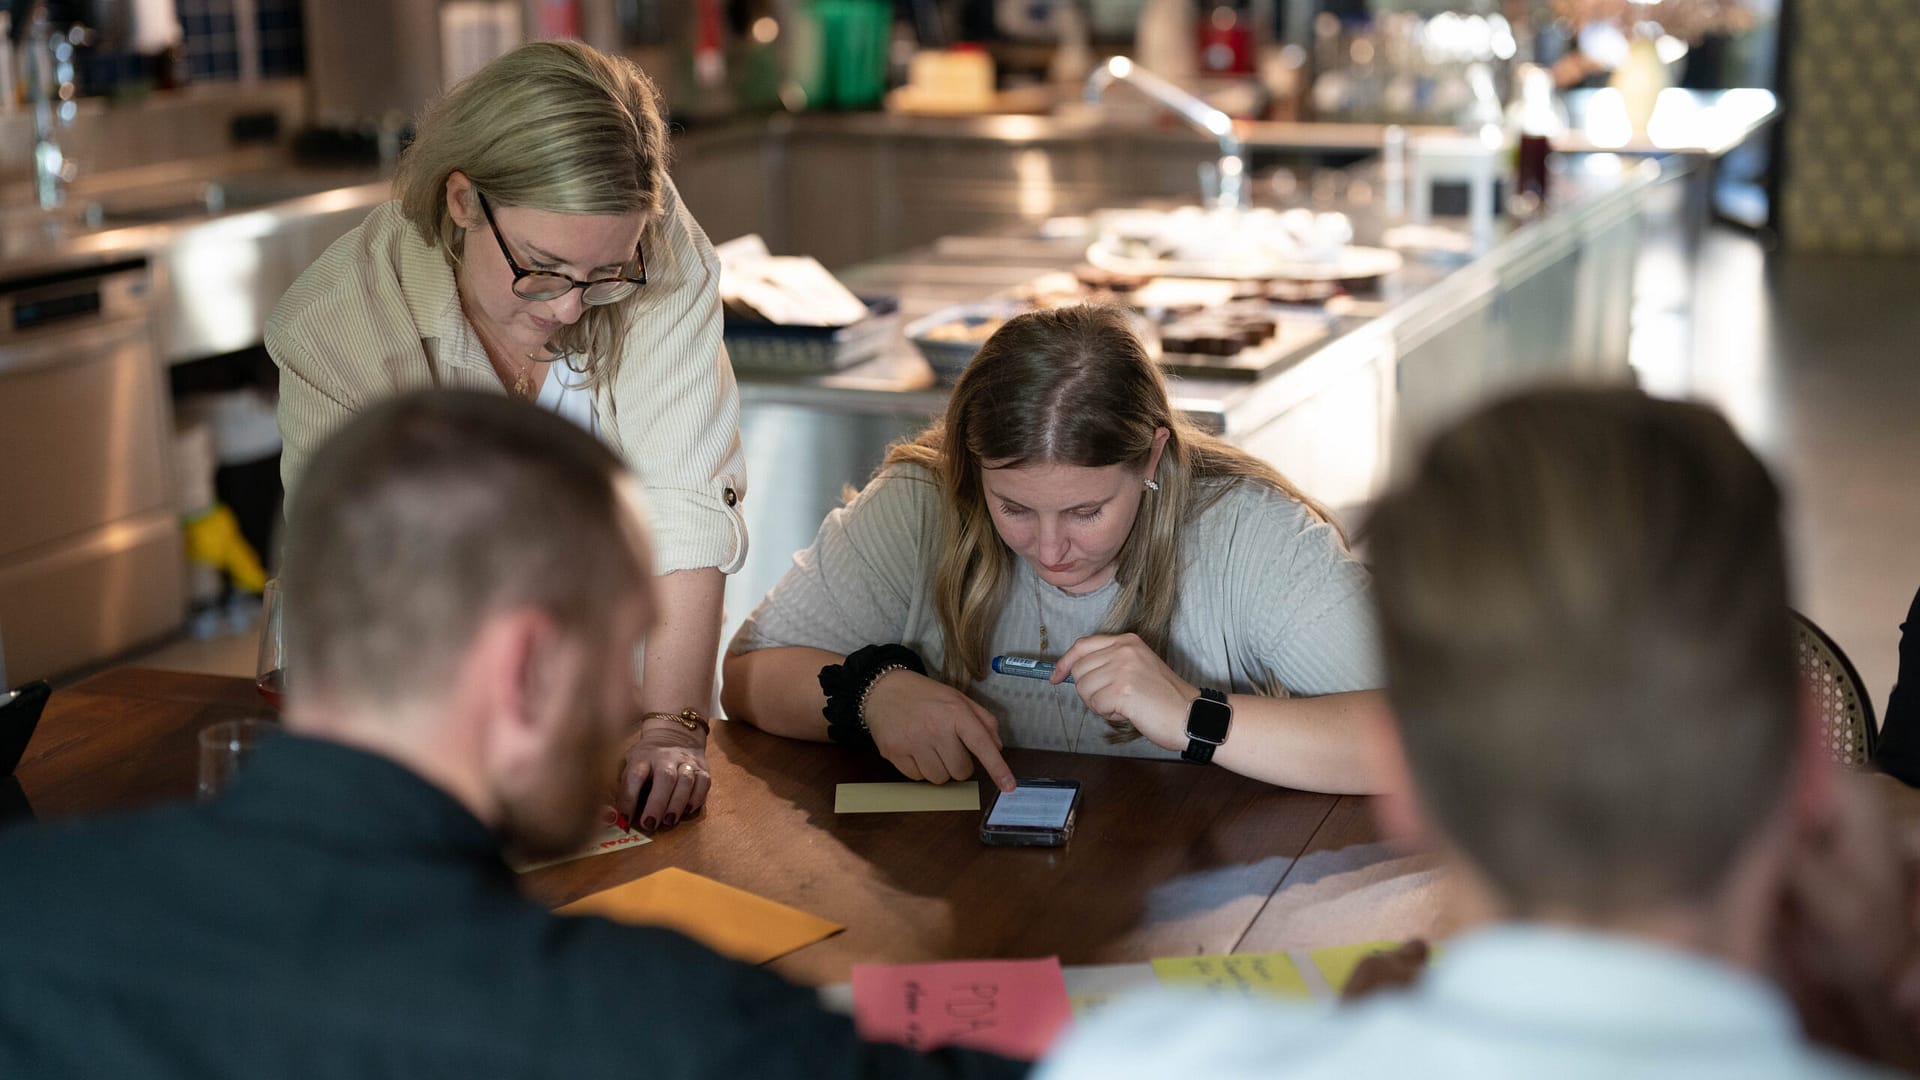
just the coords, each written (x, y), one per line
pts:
(462, 206)
(530, 671)
(1397, 806)
(1160, 438)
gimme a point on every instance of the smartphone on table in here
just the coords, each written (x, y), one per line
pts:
(1038, 812)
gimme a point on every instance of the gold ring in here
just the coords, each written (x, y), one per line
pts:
(686, 769)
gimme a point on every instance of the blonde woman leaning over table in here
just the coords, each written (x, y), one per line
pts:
(537, 249)
(1063, 511)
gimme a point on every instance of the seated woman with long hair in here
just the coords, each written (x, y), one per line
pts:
(1062, 511)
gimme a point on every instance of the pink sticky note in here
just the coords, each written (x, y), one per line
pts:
(1011, 1007)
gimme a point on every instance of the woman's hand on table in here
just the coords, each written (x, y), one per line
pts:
(930, 731)
(1120, 678)
(668, 762)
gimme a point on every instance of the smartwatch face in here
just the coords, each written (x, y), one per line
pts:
(1207, 720)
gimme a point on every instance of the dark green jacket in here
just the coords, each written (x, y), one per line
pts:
(333, 915)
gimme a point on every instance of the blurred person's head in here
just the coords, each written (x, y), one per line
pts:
(1583, 607)
(467, 587)
(558, 153)
(1044, 455)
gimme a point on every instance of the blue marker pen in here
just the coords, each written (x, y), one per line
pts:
(1024, 667)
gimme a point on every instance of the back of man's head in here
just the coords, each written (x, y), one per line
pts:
(1584, 613)
(429, 512)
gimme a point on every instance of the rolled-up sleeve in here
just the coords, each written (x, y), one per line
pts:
(675, 407)
(857, 584)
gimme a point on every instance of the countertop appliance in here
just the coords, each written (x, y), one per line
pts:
(90, 561)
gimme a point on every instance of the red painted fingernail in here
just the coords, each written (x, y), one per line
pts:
(621, 820)
(669, 820)
(647, 824)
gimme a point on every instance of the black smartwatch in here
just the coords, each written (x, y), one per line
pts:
(1207, 721)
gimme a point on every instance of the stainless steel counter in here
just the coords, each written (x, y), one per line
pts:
(1409, 306)
(225, 236)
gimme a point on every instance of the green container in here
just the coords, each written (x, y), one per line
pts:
(848, 40)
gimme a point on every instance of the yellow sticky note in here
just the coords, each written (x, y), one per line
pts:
(1241, 973)
(902, 797)
(721, 917)
(1336, 963)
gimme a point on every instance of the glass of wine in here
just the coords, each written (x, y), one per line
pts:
(270, 673)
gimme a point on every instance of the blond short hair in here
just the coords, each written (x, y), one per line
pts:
(1583, 608)
(555, 126)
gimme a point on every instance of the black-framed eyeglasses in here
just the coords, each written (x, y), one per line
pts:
(547, 285)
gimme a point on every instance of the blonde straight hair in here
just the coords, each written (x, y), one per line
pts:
(555, 126)
(1070, 386)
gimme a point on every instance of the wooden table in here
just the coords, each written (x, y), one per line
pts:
(1167, 859)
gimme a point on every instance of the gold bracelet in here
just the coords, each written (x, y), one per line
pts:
(686, 718)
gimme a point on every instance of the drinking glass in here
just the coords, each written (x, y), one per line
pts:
(225, 746)
(270, 674)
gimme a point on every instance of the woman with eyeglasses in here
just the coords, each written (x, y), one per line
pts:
(537, 248)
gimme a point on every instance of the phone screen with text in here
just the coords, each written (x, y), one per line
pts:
(1032, 808)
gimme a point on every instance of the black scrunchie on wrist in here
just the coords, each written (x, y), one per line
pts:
(846, 683)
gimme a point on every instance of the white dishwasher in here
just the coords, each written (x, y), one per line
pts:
(90, 560)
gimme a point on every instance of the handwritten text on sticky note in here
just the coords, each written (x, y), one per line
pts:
(609, 839)
(1241, 973)
(1011, 1007)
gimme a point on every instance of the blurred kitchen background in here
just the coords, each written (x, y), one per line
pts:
(1714, 197)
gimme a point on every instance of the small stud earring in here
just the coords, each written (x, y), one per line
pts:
(1152, 484)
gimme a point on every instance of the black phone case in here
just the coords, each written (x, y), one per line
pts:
(1028, 837)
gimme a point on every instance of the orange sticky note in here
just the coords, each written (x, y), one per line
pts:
(725, 919)
(1011, 1007)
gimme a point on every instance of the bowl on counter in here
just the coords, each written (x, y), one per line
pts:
(950, 337)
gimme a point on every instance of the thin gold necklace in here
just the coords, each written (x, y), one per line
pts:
(1046, 649)
(522, 386)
